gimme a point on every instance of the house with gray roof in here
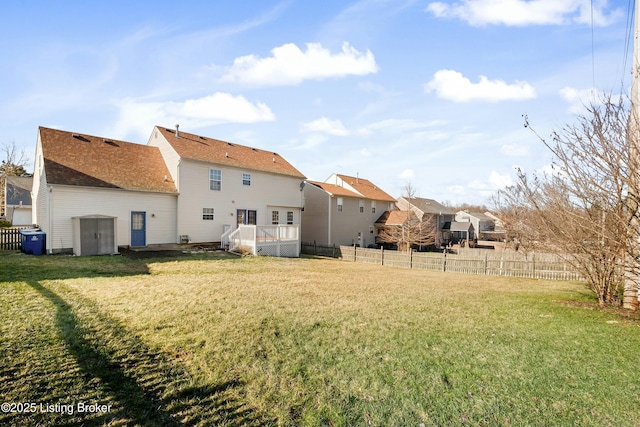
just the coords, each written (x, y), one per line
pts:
(433, 211)
(17, 200)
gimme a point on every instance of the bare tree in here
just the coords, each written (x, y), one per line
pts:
(12, 165)
(586, 207)
(409, 230)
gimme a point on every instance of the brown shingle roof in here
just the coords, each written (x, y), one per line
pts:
(393, 218)
(196, 147)
(92, 161)
(366, 188)
(336, 190)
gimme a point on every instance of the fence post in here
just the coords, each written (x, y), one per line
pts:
(410, 257)
(444, 260)
(486, 257)
(381, 255)
(355, 253)
(533, 263)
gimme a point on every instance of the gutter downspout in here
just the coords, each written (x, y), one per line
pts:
(50, 219)
(329, 224)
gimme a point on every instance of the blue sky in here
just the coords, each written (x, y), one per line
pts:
(430, 93)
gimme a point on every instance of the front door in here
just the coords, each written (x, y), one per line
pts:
(138, 229)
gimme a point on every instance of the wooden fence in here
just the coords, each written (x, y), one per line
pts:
(511, 264)
(314, 249)
(10, 239)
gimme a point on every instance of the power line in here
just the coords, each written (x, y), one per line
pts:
(593, 54)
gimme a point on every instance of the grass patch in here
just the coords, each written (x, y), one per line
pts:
(204, 340)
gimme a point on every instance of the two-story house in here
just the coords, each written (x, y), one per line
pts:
(223, 184)
(343, 210)
(430, 210)
(92, 194)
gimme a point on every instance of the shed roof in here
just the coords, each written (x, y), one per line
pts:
(92, 161)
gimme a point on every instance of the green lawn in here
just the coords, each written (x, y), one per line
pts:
(220, 341)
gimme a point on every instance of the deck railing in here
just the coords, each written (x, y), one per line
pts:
(270, 240)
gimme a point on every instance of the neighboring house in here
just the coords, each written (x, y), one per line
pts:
(482, 224)
(391, 219)
(461, 233)
(499, 233)
(430, 210)
(178, 188)
(17, 208)
(223, 185)
(342, 210)
(92, 194)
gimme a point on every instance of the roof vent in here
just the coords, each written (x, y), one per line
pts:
(177, 131)
(80, 137)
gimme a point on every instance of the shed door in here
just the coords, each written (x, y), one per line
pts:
(105, 235)
(138, 229)
(89, 236)
(96, 236)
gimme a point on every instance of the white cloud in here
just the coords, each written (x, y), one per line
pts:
(408, 174)
(500, 181)
(514, 150)
(456, 189)
(453, 86)
(522, 12)
(138, 117)
(579, 98)
(289, 65)
(365, 152)
(325, 125)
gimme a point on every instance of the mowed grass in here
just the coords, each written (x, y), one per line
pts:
(220, 341)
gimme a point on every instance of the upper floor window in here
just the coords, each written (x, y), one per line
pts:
(373, 206)
(340, 203)
(275, 217)
(215, 179)
(289, 217)
(246, 179)
(361, 206)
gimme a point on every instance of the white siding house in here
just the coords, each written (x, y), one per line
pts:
(178, 188)
(223, 185)
(80, 175)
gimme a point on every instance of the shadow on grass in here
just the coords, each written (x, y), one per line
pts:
(143, 386)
